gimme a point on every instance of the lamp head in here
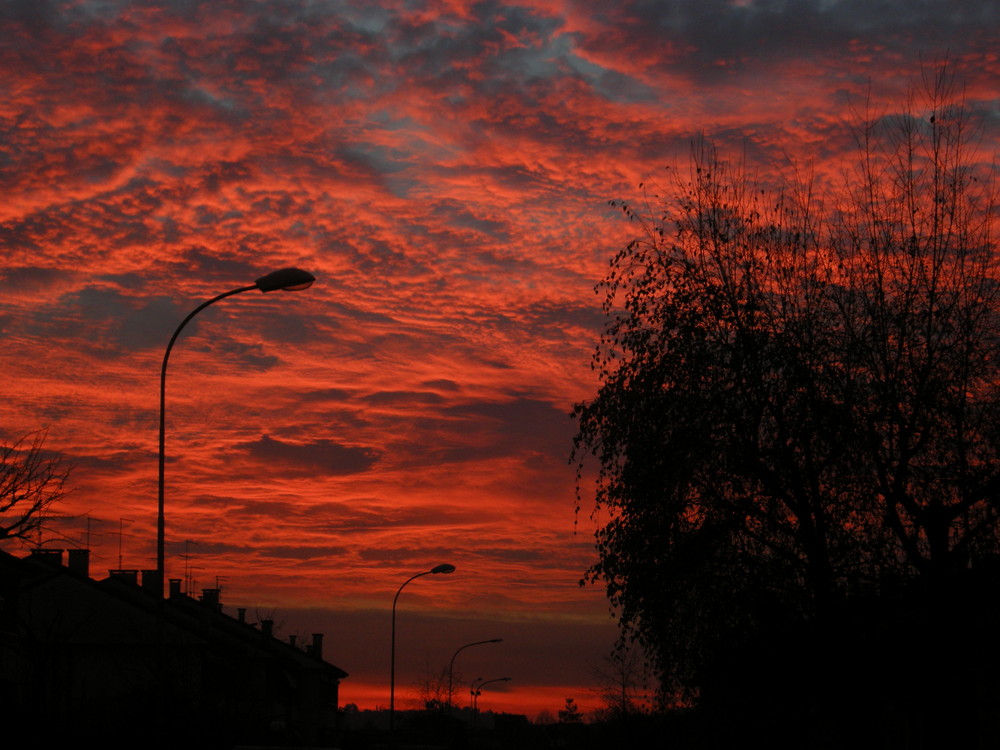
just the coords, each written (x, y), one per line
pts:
(287, 280)
(443, 568)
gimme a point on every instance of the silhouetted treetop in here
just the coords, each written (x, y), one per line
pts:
(799, 392)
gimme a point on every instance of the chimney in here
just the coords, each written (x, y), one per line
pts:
(316, 649)
(291, 640)
(267, 627)
(241, 614)
(51, 557)
(79, 562)
(125, 576)
(210, 598)
(152, 582)
(175, 588)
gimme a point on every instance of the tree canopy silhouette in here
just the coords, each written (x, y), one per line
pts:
(799, 399)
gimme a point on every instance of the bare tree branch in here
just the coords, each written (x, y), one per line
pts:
(32, 480)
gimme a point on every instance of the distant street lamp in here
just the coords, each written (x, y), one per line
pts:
(472, 691)
(451, 665)
(478, 689)
(287, 279)
(442, 568)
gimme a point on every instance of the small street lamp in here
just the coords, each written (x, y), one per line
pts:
(442, 568)
(478, 689)
(451, 665)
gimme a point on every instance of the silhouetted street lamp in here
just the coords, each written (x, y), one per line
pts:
(442, 568)
(287, 279)
(451, 665)
(472, 691)
(478, 689)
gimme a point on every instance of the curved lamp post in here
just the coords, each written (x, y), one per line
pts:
(287, 279)
(442, 568)
(451, 665)
(478, 689)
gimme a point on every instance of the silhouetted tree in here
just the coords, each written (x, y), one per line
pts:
(32, 480)
(799, 397)
(621, 681)
(432, 690)
(545, 717)
(570, 714)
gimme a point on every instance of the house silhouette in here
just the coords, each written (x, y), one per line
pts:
(115, 662)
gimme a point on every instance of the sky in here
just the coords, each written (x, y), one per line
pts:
(444, 170)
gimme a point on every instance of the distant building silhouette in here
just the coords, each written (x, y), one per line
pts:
(82, 659)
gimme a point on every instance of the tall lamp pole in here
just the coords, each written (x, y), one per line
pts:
(451, 665)
(287, 279)
(442, 568)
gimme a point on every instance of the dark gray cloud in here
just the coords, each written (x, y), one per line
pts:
(516, 554)
(301, 552)
(443, 385)
(521, 421)
(483, 430)
(545, 317)
(458, 215)
(274, 508)
(324, 456)
(335, 395)
(714, 39)
(249, 356)
(105, 318)
(415, 556)
(347, 518)
(350, 516)
(386, 398)
(33, 278)
(110, 323)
